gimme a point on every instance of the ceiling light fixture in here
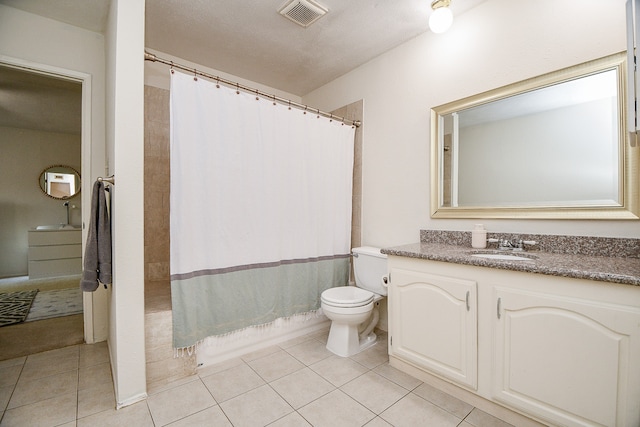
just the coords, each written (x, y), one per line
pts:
(442, 17)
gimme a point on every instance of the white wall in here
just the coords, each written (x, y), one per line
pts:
(25, 154)
(125, 142)
(496, 43)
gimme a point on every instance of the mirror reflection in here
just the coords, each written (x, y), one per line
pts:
(549, 147)
(60, 181)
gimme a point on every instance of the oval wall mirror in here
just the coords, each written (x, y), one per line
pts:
(60, 181)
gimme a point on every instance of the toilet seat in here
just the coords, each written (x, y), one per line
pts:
(347, 296)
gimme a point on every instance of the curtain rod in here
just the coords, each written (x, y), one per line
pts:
(151, 57)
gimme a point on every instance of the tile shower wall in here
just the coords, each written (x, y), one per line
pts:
(156, 200)
(161, 366)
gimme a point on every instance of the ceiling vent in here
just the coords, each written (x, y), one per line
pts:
(303, 12)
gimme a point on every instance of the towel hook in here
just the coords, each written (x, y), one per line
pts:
(109, 179)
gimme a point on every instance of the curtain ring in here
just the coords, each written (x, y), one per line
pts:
(318, 110)
(195, 75)
(218, 82)
(289, 104)
(171, 69)
(305, 110)
(330, 117)
(237, 88)
(274, 99)
(257, 98)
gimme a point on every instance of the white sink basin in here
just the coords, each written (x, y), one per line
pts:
(505, 257)
(56, 227)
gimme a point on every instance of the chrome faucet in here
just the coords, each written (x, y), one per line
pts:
(66, 205)
(514, 245)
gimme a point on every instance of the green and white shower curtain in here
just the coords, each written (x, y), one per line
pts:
(260, 209)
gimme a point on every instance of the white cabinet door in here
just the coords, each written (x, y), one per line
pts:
(433, 323)
(567, 360)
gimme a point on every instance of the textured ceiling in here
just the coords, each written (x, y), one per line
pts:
(250, 39)
(246, 38)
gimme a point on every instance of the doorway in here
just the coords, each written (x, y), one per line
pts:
(43, 125)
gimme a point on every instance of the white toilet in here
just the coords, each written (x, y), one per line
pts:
(352, 309)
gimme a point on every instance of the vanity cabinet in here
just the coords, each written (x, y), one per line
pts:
(435, 323)
(567, 357)
(561, 351)
(54, 253)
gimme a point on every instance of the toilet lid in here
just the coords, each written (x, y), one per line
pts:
(347, 296)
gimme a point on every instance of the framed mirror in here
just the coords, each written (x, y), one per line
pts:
(60, 182)
(554, 146)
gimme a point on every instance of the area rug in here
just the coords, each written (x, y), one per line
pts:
(14, 306)
(56, 303)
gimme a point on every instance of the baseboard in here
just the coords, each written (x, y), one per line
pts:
(131, 400)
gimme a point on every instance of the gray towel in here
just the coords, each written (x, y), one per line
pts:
(97, 252)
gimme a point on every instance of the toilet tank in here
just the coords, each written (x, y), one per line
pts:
(369, 267)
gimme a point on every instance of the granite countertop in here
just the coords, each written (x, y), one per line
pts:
(623, 270)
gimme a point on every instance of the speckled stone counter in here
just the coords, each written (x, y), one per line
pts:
(620, 265)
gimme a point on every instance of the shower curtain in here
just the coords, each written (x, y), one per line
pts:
(260, 209)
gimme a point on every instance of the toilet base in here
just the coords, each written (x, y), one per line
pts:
(345, 341)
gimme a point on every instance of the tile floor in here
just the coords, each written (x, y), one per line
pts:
(297, 383)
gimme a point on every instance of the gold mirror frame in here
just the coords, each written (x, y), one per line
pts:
(63, 170)
(629, 185)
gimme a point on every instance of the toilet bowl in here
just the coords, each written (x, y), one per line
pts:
(352, 309)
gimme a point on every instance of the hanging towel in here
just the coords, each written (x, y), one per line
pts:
(97, 252)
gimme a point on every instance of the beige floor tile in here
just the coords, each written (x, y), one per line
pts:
(13, 362)
(397, 376)
(447, 402)
(336, 409)
(374, 356)
(301, 387)
(5, 395)
(70, 352)
(292, 420)
(9, 375)
(232, 382)
(310, 352)
(479, 418)
(31, 391)
(39, 368)
(209, 417)
(338, 370)
(295, 341)
(51, 412)
(322, 335)
(258, 407)
(177, 403)
(378, 422)
(374, 391)
(412, 410)
(160, 386)
(219, 367)
(96, 399)
(91, 376)
(94, 354)
(134, 415)
(260, 353)
(275, 365)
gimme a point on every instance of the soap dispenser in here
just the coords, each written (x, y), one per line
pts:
(479, 237)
